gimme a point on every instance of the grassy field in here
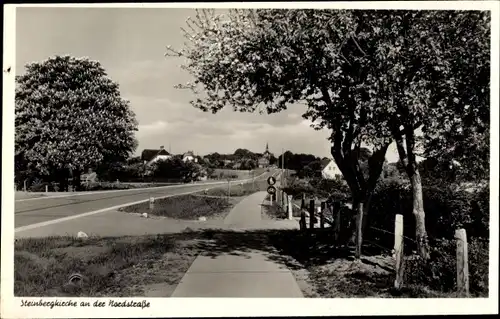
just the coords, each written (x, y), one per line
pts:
(117, 267)
(272, 212)
(187, 207)
(238, 190)
(222, 173)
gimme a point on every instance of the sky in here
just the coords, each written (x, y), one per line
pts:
(130, 44)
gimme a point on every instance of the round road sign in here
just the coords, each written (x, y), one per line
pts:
(271, 180)
(271, 190)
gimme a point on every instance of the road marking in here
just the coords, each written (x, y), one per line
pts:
(59, 220)
(132, 189)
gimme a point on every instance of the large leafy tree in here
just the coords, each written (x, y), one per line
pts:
(70, 117)
(460, 129)
(370, 77)
(266, 60)
(435, 67)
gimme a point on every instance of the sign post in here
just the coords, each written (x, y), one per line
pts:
(271, 180)
(271, 190)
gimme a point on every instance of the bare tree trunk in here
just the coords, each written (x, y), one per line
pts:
(419, 214)
(359, 228)
(408, 159)
(366, 208)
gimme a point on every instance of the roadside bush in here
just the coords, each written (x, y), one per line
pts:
(439, 273)
(98, 186)
(446, 207)
(38, 185)
(297, 187)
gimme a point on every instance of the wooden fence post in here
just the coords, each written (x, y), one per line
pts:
(322, 215)
(303, 203)
(399, 251)
(278, 197)
(303, 223)
(282, 200)
(290, 207)
(46, 188)
(462, 263)
(151, 203)
(311, 213)
(336, 209)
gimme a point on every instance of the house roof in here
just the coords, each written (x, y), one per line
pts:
(149, 154)
(325, 162)
(189, 153)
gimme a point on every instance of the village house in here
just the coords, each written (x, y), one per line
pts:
(329, 169)
(150, 156)
(189, 156)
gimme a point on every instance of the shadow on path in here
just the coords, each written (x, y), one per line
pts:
(293, 248)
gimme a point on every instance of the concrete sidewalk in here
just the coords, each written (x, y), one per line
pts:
(240, 273)
(247, 212)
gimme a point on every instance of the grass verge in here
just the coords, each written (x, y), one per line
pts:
(130, 266)
(114, 267)
(239, 189)
(272, 212)
(187, 207)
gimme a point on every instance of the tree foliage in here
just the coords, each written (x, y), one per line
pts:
(177, 169)
(458, 123)
(368, 76)
(70, 116)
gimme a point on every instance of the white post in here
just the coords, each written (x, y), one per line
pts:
(398, 251)
(46, 188)
(462, 263)
(25, 185)
(290, 207)
(285, 204)
(151, 203)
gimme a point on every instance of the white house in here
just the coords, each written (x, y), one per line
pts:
(150, 156)
(189, 156)
(329, 169)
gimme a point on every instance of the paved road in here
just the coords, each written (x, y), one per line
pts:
(38, 210)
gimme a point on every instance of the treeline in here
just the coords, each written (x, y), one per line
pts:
(297, 162)
(241, 159)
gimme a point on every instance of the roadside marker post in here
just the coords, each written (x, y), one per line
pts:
(151, 203)
(290, 207)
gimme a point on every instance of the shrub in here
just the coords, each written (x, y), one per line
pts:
(97, 186)
(439, 273)
(447, 209)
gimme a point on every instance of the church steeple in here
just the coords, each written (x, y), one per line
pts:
(267, 147)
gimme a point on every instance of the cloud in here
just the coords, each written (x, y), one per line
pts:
(152, 128)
